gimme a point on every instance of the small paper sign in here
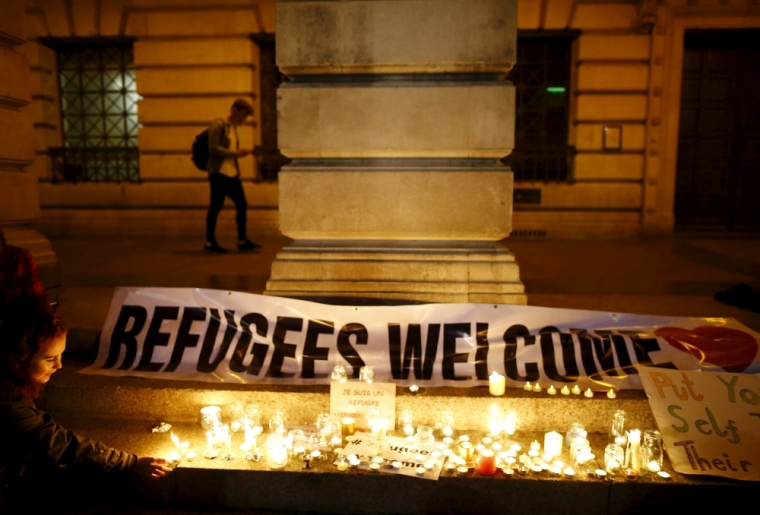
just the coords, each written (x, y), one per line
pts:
(404, 456)
(710, 421)
(355, 399)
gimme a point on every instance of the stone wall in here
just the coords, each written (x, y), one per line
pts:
(626, 71)
(193, 60)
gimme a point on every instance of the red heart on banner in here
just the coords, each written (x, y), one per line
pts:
(730, 349)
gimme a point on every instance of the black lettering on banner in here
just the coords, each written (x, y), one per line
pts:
(155, 338)
(185, 338)
(283, 350)
(587, 356)
(451, 332)
(205, 364)
(413, 351)
(120, 336)
(511, 335)
(259, 350)
(604, 354)
(624, 358)
(550, 359)
(311, 352)
(481, 352)
(347, 350)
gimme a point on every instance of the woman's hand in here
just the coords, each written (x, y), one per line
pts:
(148, 467)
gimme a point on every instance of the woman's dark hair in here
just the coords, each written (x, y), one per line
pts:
(27, 325)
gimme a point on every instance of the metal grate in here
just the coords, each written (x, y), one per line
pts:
(542, 82)
(98, 113)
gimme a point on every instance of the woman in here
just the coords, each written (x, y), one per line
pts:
(33, 448)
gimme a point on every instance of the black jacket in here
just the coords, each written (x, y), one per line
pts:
(29, 438)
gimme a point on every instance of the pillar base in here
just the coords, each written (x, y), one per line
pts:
(424, 271)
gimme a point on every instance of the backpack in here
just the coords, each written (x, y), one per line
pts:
(200, 151)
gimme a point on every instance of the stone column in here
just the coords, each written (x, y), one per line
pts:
(19, 195)
(396, 117)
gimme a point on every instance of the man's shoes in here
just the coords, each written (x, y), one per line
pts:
(247, 245)
(214, 247)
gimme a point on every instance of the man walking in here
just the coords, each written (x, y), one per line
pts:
(224, 174)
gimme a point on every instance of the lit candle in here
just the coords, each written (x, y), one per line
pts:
(569, 472)
(553, 443)
(420, 470)
(589, 394)
(528, 387)
(601, 474)
(535, 446)
(396, 465)
(408, 429)
(210, 452)
(510, 423)
(653, 466)
(533, 453)
(611, 394)
(175, 440)
(565, 390)
(462, 471)
(414, 389)
(576, 390)
(191, 456)
(464, 438)
(663, 475)
(447, 431)
(537, 388)
(466, 450)
(633, 452)
(487, 464)
(496, 447)
(497, 384)
(517, 447)
(552, 390)
(347, 427)
(342, 465)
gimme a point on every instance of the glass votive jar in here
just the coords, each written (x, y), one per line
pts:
(617, 428)
(575, 433)
(277, 422)
(347, 426)
(298, 442)
(367, 374)
(614, 455)
(406, 422)
(466, 450)
(211, 417)
(339, 374)
(651, 451)
(425, 435)
(236, 410)
(252, 417)
(277, 451)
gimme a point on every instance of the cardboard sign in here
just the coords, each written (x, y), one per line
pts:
(408, 452)
(354, 399)
(710, 422)
(223, 336)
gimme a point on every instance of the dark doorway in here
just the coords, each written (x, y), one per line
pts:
(718, 171)
(268, 156)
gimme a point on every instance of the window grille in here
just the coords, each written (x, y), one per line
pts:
(542, 82)
(98, 112)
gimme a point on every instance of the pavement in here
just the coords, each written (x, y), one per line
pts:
(669, 276)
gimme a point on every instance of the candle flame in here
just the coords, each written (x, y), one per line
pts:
(175, 440)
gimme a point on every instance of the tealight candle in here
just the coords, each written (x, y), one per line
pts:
(419, 457)
(510, 461)
(547, 457)
(511, 453)
(420, 470)
(565, 390)
(496, 447)
(447, 431)
(396, 464)
(576, 390)
(528, 387)
(537, 388)
(535, 446)
(509, 471)
(191, 456)
(552, 390)
(448, 440)
(342, 465)
(414, 389)
(480, 448)
(653, 466)
(611, 394)
(374, 467)
(589, 394)
(537, 469)
(487, 440)
(601, 474)
(517, 447)
(555, 471)
(464, 438)
(462, 471)
(559, 464)
(429, 465)
(569, 472)
(496, 384)
(408, 429)
(533, 453)
(663, 475)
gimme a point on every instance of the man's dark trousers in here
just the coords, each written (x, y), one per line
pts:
(223, 186)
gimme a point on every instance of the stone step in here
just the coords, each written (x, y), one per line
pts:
(155, 400)
(274, 286)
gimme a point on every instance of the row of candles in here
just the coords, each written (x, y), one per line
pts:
(625, 455)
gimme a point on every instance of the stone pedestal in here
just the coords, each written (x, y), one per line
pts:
(396, 117)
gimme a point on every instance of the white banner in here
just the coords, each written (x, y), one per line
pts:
(223, 336)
